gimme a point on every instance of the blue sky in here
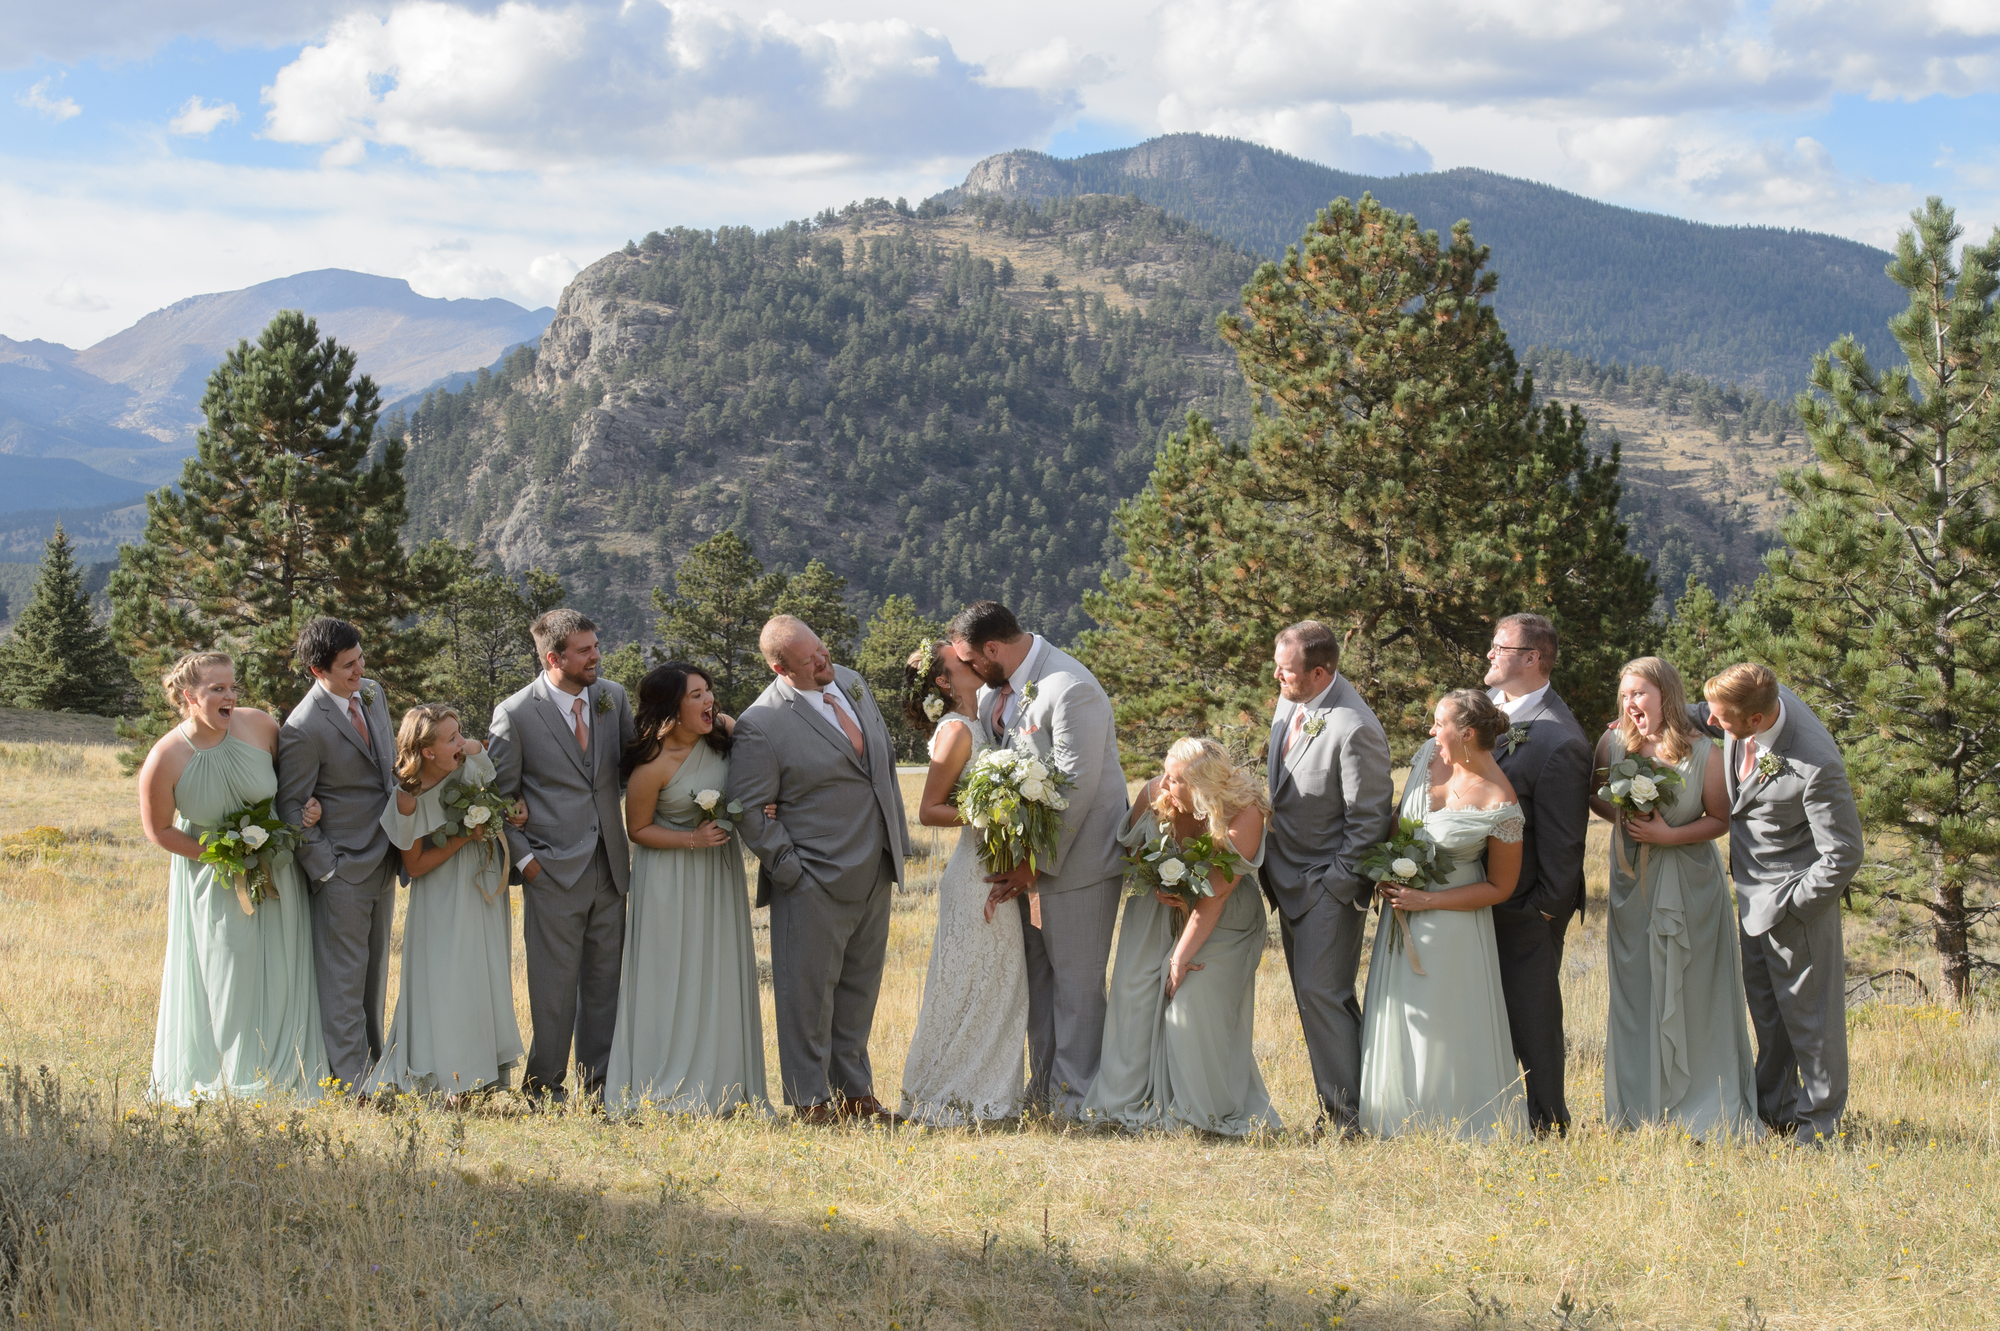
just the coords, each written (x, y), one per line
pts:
(154, 149)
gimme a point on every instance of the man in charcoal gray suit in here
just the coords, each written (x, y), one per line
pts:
(815, 744)
(557, 744)
(1037, 695)
(339, 746)
(1548, 761)
(1794, 845)
(1331, 799)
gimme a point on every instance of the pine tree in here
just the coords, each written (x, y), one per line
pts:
(58, 657)
(1889, 578)
(722, 596)
(1402, 487)
(894, 631)
(818, 595)
(290, 509)
(479, 625)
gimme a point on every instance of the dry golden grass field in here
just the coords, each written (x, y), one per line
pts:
(116, 1214)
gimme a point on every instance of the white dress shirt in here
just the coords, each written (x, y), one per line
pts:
(1764, 738)
(1527, 702)
(1018, 680)
(818, 699)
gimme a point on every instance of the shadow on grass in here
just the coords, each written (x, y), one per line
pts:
(232, 1215)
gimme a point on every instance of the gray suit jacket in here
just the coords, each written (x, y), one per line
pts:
(321, 756)
(1069, 725)
(836, 814)
(1331, 799)
(573, 798)
(1794, 838)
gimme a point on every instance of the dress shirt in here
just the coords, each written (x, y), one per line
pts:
(817, 698)
(1527, 702)
(1017, 681)
(1764, 738)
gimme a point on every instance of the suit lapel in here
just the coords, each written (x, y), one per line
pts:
(820, 721)
(1274, 768)
(345, 725)
(1748, 791)
(565, 737)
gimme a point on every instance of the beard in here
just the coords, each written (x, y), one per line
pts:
(991, 673)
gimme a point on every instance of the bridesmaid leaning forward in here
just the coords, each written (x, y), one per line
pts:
(239, 1013)
(1677, 1046)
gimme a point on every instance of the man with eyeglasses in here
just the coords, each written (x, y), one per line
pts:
(1548, 760)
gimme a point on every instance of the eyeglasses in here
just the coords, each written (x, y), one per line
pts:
(1502, 647)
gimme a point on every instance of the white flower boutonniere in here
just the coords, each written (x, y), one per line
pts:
(603, 703)
(1515, 737)
(1314, 723)
(367, 696)
(1770, 765)
(1028, 691)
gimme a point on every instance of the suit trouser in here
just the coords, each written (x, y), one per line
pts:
(826, 974)
(1066, 959)
(350, 928)
(1795, 978)
(1531, 953)
(574, 939)
(1322, 954)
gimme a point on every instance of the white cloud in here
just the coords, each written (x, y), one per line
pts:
(1319, 131)
(526, 87)
(195, 118)
(549, 274)
(1057, 65)
(70, 295)
(37, 99)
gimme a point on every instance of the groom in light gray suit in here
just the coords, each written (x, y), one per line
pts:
(815, 744)
(1331, 799)
(556, 744)
(1794, 845)
(339, 746)
(1037, 694)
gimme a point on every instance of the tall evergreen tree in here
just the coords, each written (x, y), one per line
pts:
(894, 631)
(479, 624)
(1402, 487)
(722, 596)
(290, 509)
(1889, 583)
(818, 595)
(58, 657)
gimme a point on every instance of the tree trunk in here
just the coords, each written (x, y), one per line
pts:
(1952, 938)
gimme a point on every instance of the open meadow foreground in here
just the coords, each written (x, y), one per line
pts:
(115, 1213)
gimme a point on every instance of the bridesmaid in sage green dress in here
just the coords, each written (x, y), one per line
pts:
(239, 1012)
(1677, 1047)
(454, 1032)
(1179, 1030)
(1435, 1051)
(690, 1033)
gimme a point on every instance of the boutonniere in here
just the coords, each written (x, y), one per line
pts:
(1769, 765)
(367, 696)
(603, 703)
(1314, 723)
(1028, 691)
(1515, 737)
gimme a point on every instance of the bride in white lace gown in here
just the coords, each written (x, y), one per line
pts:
(966, 1060)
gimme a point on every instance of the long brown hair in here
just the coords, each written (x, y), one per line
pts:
(1679, 738)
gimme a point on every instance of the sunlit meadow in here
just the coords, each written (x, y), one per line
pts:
(114, 1213)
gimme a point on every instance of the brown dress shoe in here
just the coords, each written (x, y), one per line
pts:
(867, 1107)
(821, 1115)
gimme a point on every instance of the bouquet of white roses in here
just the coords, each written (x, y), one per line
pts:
(725, 816)
(1015, 802)
(1638, 784)
(245, 845)
(471, 809)
(1181, 868)
(1408, 858)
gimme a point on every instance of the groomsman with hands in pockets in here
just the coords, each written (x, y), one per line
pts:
(1332, 798)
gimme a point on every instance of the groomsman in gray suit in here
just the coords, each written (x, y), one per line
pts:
(815, 744)
(339, 746)
(1037, 694)
(1548, 762)
(1794, 845)
(556, 745)
(1331, 799)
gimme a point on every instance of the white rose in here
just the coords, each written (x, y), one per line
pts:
(1404, 867)
(255, 836)
(981, 821)
(1172, 871)
(1644, 788)
(477, 815)
(1031, 789)
(707, 799)
(1037, 771)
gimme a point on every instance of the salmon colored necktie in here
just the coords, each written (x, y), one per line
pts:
(846, 723)
(582, 730)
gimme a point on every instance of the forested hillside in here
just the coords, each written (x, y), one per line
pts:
(943, 406)
(1752, 304)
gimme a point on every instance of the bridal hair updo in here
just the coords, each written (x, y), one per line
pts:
(1678, 736)
(418, 732)
(1472, 711)
(921, 674)
(1221, 788)
(186, 674)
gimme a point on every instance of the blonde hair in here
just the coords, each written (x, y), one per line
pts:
(420, 728)
(187, 672)
(1678, 738)
(1221, 788)
(1746, 688)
